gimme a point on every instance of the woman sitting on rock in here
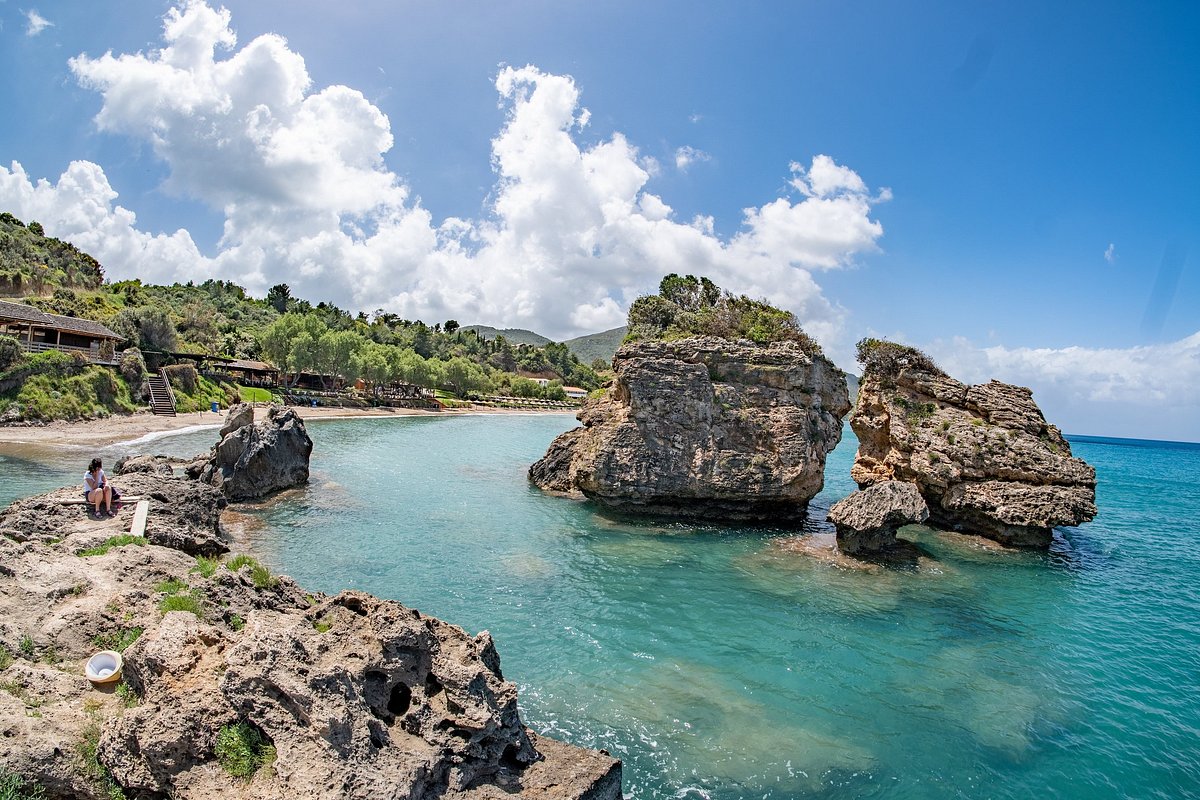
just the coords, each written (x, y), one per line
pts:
(97, 489)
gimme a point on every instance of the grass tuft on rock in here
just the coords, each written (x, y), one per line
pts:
(117, 640)
(260, 575)
(171, 586)
(6, 658)
(182, 602)
(14, 787)
(206, 567)
(243, 750)
(88, 749)
(111, 542)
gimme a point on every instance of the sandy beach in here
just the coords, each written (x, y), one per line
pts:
(127, 428)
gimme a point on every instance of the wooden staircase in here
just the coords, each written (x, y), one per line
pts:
(162, 399)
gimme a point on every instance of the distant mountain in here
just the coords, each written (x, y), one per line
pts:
(513, 335)
(852, 385)
(597, 345)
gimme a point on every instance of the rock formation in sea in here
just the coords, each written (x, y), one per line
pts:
(984, 457)
(868, 519)
(347, 696)
(253, 460)
(704, 427)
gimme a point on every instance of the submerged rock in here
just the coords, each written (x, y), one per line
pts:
(704, 428)
(983, 457)
(256, 459)
(358, 697)
(868, 519)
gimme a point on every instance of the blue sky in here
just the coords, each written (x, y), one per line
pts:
(1012, 186)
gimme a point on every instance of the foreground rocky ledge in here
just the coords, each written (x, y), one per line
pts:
(358, 697)
(983, 457)
(704, 427)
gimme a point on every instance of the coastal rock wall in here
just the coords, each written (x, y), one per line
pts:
(984, 457)
(358, 697)
(704, 427)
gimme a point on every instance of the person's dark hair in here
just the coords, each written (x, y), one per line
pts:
(95, 465)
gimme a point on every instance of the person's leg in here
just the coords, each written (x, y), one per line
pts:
(108, 499)
(95, 497)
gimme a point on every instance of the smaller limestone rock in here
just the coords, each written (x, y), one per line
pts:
(867, 520)
(238, 416)
(153, 465)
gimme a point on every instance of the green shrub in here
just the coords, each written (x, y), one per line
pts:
(207, 567)
(883, 359)
(11, 353)
(26, 648)
(243, 750)
(170, 586)
(6, 658)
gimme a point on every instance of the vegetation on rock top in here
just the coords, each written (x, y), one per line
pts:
(884, 359)
(690, 306)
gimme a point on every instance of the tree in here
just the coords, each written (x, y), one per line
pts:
(411, 368)
(278, 297)
(291, 343)
(373, 363)
(450, 326)
(335, 351)
(464, 375)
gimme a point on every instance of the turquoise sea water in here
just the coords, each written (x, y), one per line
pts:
(717, 664)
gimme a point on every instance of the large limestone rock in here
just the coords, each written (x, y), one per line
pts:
(984, 457)
(705, 428)
(360, 697)
(253, 460)
(868, 519)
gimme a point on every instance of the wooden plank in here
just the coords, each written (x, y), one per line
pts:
(138, 528)
(79, 501)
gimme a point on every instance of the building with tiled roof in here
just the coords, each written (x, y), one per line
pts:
(35, 330)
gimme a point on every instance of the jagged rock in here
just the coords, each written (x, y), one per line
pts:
(984, 457)
(155, 465)
(360, 697)
(868, 519)
(704, 427)
(239, 416)
(257, 459)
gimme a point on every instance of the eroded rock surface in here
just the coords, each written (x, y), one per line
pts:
(360, 697)
(253, 460)
(704, 427)
(984, 457)
(868, 519)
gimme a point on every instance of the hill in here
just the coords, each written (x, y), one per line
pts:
(513, 335)
(31, 262)
(601, 345)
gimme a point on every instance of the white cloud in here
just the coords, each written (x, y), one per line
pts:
(36, 23)
(686, 156)
(572, 233)
(1110, 254)
(1147, 391)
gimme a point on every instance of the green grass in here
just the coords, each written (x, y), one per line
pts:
(117, 640)
(127, 696)
(260, 575)
(6, 658)
(110, 543)
(88, 748)
(322, 625)
(207, 567)
(18, 691)
(14, 787)
(182, 602)
(236, 622)
(25, 648)
(253, 394)
(242, 750)
(170, 586)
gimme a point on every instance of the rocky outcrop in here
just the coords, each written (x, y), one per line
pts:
(155, 465)
(704, 428)
(868, 519)
(257, 459)
(984, 457)
(358, 697)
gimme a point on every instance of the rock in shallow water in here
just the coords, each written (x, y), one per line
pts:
(704, 428)
(868, 519)
(256, 459)
(984, 457)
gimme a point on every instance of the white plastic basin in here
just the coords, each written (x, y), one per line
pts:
(104, 667)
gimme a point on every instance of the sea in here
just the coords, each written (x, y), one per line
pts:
(719, 662)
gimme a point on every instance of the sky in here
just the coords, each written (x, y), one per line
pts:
(1014, 188)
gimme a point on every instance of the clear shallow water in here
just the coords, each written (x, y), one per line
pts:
(716, 664)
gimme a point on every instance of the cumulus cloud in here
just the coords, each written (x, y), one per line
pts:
(686, 156)
(1110, 253)
(36, 23)
(1148, 390)
(571, 235)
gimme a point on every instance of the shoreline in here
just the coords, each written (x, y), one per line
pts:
(144, 427)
